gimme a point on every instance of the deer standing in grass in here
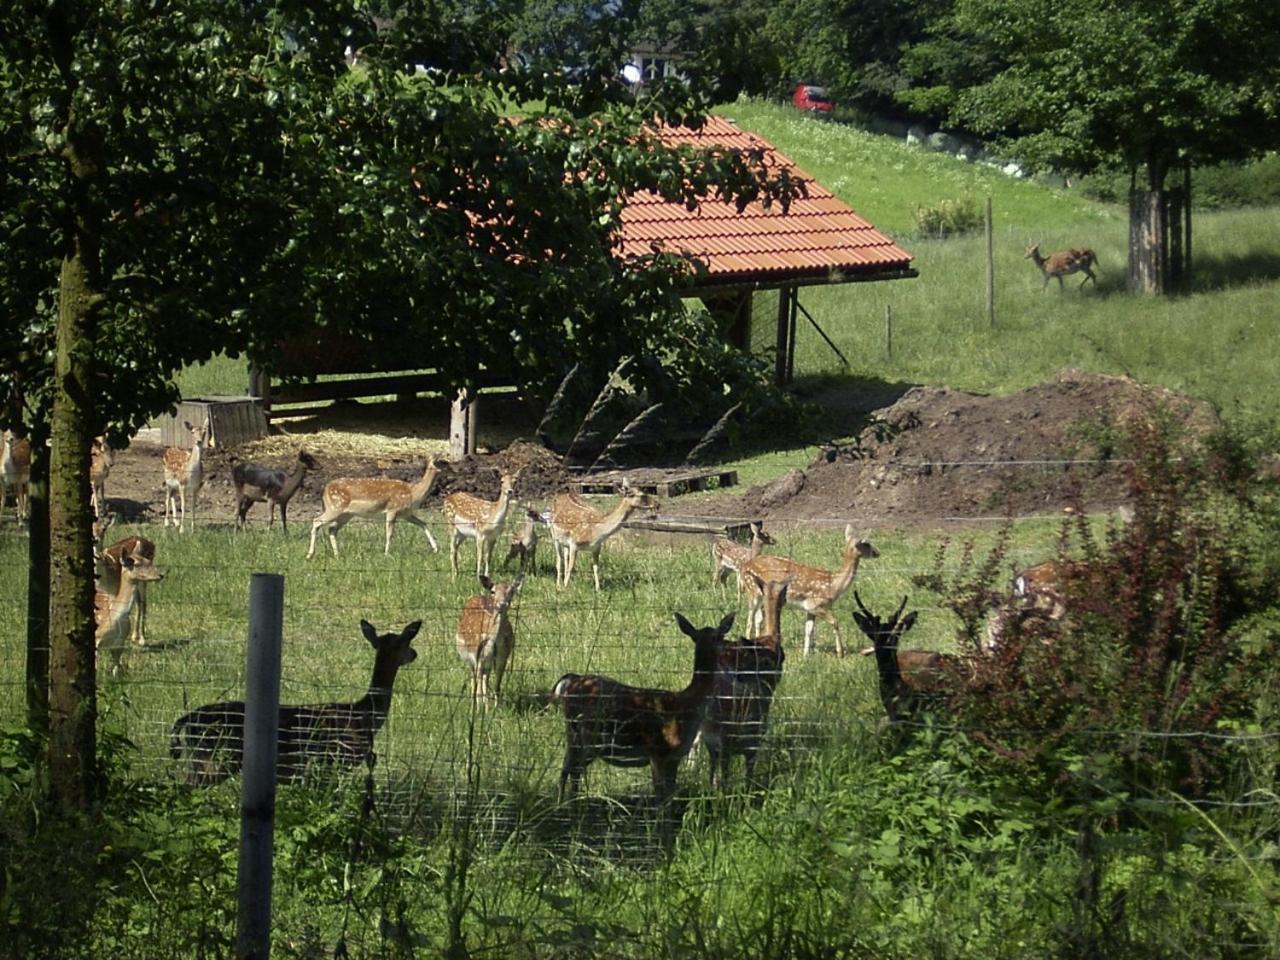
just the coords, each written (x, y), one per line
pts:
(484, 637)
(112, 611)
(524, 544)
(110, 563)
(255, 483)
(350, 497)
(15, 473)
(184, 476)
(479, 519)
(628, 726)
(209, 741)
(812, 589)
(727, 555)
(1064, 263)
(577, 526)
(747, 674)
(101, 459)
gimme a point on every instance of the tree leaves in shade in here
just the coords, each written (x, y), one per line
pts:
(632, 432)
(712, 436)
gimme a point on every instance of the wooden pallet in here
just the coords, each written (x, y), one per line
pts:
(666, 485)
(734, 530)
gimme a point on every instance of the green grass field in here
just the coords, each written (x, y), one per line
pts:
(853, 851)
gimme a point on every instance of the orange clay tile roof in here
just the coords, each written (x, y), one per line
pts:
(817, 237)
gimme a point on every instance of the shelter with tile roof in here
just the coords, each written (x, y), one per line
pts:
(819, 239)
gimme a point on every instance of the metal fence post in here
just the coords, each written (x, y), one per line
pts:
(258, 797)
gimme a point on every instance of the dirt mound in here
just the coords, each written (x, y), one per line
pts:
(945, 454)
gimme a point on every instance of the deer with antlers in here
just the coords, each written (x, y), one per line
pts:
(209, 741)
(747, 674)
(351, 497)
(813, 589)
(910, 680)
(485, 639)
(15, 473)
(728, 556)
(577, 526)
(255, 483)
(628, 726)
(1063, 264)
(482, 520)
(184, 476)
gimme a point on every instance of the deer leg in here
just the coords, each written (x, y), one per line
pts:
(417, 521)
(316, 524)
(334, 527)
(140, 615)
(595, 567)
(455, 540)
(571, 557)
(810, 626)
(571, 772)
(835, 625)
(284, 516)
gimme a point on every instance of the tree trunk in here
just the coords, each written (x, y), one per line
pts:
(73, 768)
(38, 584)
(1148, 237)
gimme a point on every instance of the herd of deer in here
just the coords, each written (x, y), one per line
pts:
(725, 705)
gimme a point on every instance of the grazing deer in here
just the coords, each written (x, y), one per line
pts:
(350, 497)
(524, 543)
(184, 475)
(577, 526)
(909, 680)
(747, 673)
(480, 519)
(112, 611)
(628, 726)
(485, 639)
(209, 741)
(727, 555)
(1064, 263)
(101, 459)
(15, 473)
(812, 589)
(255, 483)
(1048, 587)
(110, 563)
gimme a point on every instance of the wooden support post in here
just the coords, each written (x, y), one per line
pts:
(258, 788)
(462, 426)
(791, 338)
(260, 387)
(783, 338)
(991, 269)
(888, 331)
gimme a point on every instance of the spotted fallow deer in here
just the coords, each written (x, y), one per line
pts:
(1064, 263)
(524, 543)
(727, 555)
(209, 741)
(184, 476)
(109, 562)
(112, 611)
(747, 674)
(628, 726)
(350, 497)
(101, 459)
(482, 520)
(577, 526)
(812, 589)
(485, 639)
(15, 473)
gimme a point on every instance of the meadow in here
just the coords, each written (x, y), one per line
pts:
(457, 845)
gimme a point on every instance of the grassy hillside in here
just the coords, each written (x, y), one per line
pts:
(1216, 342)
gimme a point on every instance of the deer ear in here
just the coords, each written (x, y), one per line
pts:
(486, 583)
(726, 624)
(369, 632)
(411, 631)
(685, 626)
(908, 621)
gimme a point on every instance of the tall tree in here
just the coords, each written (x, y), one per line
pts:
(1151, 85)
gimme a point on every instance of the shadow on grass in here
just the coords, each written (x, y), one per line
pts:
(1210, 274)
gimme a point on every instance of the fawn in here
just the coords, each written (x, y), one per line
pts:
(480, 519)
(184, 476)
(1064, 263)
(524, 543)
(209, 741)
(350, 497)
(15, 473)
(727, 555)
(485, 639)
(112, 611)
(110, 563)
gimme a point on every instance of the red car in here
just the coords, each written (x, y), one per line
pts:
(811, 97)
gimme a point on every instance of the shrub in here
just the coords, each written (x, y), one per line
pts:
(948, 217)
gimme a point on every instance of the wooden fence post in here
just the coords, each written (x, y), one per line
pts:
(261, 737)
(991, 269)
(888, 331)
(462, 425)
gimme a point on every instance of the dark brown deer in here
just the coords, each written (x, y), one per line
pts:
(255, 483)
(1063, 263)
(628, 726)
(911, 680)
(747, 674)
(210, 740)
